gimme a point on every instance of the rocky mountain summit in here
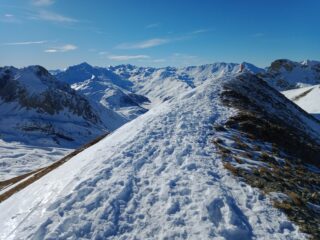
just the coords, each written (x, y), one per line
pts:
(284, 74)
(35, 104)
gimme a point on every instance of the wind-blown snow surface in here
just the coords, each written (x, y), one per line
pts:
(307, 98)
(18, 158)
(157, 177)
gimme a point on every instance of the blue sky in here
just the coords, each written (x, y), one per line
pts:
(59, 33)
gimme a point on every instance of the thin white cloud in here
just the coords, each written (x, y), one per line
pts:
(25, 43)
(153, 25)
(203, 30)
(53, 17)
(144, 44)
(51, 50)
(64, 48)
(9, 18)
(42, 2)
(127, 57)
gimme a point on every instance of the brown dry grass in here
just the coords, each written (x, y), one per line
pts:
(231, 168)
(295, 199)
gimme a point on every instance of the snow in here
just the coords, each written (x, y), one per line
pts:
(310, 63)
(156, 177)
(30, 140)
(18, 158)
(284, 74)
(27, 76)
(42, 118)
(307, 98)
(161, 84)
(107, 92)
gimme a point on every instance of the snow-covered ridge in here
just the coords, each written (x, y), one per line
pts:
(36, 108)
(35, 88)
(158, 176)
(109, 97)
(161, 84)
(107, 92)
(157, 84)
(284, 74)
(84, 71)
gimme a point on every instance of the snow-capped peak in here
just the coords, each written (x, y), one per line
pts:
(35, 102)
(310, 62)
(284, 74)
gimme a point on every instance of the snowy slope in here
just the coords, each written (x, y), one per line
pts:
(161, 84)
(41, 120)
(107, 92)
(157, 177)
(308, 98)
(18, 158)
(285, 74)
(36, 108)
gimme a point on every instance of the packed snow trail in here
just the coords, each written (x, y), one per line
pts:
(157, 177)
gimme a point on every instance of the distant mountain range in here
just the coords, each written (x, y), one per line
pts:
(183, 152)
(71, 106)
(108, 93)
(216, 161)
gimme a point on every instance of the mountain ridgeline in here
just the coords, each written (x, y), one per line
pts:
(284, 74)
(103, 99)
(215, 161)
(199, 152)
(35, 107)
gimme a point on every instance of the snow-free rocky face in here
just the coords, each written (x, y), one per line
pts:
(165, 174)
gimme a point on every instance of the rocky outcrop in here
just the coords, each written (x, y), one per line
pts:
(285, 74)
(35, 102)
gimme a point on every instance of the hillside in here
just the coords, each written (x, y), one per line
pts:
(162, 84)
(37, 108)
(308, 98)
(165, 174)
(285, 74)
(41, 119)
(107, 92)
